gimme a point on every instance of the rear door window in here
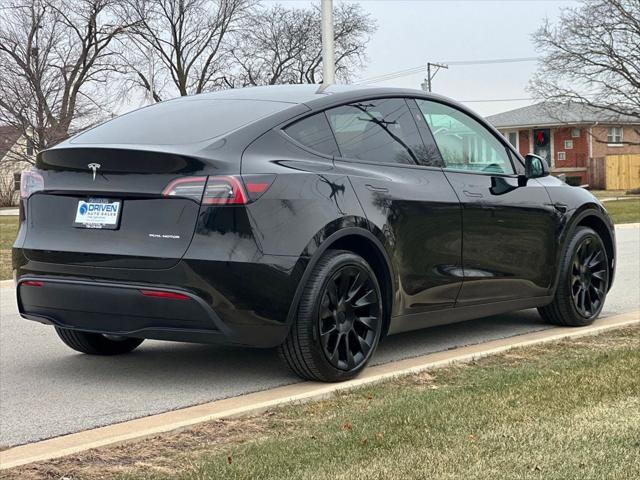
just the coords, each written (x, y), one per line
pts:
(379, 131)
(314, 132)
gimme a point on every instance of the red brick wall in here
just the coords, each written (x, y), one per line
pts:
(601, 148)
(576, 156)
(523, 142)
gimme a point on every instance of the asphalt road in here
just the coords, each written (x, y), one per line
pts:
(48, 390)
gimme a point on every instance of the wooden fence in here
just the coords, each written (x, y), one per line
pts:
(615, 172)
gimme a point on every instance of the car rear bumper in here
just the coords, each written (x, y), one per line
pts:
(240, 303)
(123, 309)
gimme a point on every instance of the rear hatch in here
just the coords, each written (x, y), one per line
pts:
(119, 217)
(118, 176)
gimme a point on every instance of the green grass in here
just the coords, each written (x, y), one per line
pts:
(568, 410)
(570, 414)
(624, 211)
(609, 193)
(8, 231)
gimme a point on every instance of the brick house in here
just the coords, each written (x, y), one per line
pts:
(568, 135)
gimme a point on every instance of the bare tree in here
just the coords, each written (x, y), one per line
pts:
(591, 57)
(55, 66)
(283, 45)
(180, 46)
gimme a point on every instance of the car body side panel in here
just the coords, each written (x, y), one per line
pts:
(419, 216)
(308, 200)
(509, 238)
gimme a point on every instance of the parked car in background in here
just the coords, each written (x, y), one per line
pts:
(315, 221)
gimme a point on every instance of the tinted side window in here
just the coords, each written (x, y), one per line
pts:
(314, 132)
(464, 143)
(381, 131)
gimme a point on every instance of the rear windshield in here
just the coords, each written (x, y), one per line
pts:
(179, 121)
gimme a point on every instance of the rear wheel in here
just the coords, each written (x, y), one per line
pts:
(584, 281)
(339, 320)
(97, 343)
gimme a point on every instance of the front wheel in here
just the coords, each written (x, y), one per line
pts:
(583, 283)
(97, 343)
(339, 320)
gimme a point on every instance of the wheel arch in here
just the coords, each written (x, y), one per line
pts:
(598, 221)
(362, 242)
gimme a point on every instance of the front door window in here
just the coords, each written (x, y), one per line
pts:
(464, 143)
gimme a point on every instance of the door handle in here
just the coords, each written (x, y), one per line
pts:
(376, 189)
(472, 194)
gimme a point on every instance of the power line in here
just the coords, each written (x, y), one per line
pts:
(414, 70)
(498, 100)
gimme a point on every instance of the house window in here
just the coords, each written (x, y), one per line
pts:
(568, 144)
(29, 147)
(513, 138)
(575, 133)
(614, 135)
(16, 181)
(562, 156)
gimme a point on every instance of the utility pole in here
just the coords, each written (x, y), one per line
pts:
(328, 53)
(432, 69)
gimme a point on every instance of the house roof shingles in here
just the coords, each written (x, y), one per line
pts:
(544, 114)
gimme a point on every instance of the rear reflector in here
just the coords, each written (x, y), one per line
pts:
(167, 295)
(32, 283)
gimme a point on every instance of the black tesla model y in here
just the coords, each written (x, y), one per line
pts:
(315, 221)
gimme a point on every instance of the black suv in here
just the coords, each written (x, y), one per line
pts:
(314, 220)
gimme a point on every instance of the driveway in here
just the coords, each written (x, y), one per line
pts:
(48, 390)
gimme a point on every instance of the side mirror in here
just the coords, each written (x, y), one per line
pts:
(535, 166)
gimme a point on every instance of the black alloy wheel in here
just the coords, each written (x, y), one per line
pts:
(339, 321)
(583, 281)
(348, 317)
(588, 277)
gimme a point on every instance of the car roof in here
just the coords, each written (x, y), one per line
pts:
(307, 93)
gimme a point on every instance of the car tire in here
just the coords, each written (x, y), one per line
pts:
(339, 320)
(96, 343)
(583, 282)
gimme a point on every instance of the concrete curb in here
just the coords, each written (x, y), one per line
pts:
(624, 226)
(258, 402)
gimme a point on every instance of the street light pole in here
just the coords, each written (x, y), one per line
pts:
(328, 54)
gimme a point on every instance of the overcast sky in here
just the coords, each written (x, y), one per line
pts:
(412, 32)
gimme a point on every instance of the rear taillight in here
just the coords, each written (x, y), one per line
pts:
(220, 189)
(186, 187)
(257, 185)
(224, 191)
(30, 183)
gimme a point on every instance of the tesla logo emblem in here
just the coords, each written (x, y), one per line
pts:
(94, 168)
